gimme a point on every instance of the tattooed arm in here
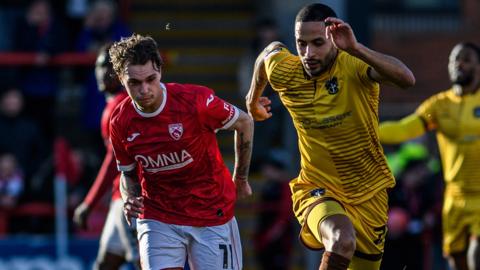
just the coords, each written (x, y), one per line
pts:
(257, 105)
(243, 151)
(131, 195)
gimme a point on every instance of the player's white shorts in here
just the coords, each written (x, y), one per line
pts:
(117, 237)
(165, 245)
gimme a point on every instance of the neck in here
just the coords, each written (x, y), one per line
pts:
(465, 90)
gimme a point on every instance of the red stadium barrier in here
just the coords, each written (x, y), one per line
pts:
(29, 59)
(62, 59)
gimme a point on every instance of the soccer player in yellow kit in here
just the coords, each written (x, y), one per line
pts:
(455, 116)
(331, 91)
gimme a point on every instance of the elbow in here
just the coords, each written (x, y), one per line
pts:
(245, 121)
(408, 80)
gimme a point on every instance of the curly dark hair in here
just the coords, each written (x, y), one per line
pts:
(134, 50)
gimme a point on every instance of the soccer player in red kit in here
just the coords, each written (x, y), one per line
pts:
(118, 243)
(184, 201)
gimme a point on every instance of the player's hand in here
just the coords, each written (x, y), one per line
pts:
(341, 34)
(80, 216)
(243, 188)
(260, 110)
(132, 208)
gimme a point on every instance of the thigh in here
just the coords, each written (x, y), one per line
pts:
(321, 211)
(370, 222)
(454, 225)
(215, 247)
(161, 245)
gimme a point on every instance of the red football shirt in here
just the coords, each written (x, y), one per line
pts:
(108, 173)
(185, 180)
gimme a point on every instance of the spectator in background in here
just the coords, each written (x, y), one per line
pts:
(267, 135)
(11, 187)
(118, 242)
(274, 234)
(102, 25)
(40, 32)
(11, 181)
(19, 135)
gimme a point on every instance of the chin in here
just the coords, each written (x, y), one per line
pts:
(315, 73)
(463, 81)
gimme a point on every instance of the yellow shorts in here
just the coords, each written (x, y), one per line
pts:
(368, 218)
(460, 219)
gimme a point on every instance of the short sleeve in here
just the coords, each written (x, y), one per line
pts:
(279, 67)
(361, 69)
(124, 161)
(427, 112)
(214, 112)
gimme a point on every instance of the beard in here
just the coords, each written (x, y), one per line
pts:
(323, 65)
(464, 80)
(317, 71)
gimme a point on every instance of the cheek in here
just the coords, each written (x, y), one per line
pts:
(131, 92)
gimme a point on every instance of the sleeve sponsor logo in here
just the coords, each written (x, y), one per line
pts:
(231, 112)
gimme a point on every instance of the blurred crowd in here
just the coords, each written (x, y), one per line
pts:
(41, 102)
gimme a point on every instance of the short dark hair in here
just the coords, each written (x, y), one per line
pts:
(472, 46)
(315, 13)
(103, 57)
(134, 50)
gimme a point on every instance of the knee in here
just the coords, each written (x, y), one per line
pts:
(343, 243)
(338, 235)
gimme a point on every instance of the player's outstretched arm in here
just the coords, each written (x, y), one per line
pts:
(243, 127)
(259, 107)
(105, 177)
(131, 195)
(395, 132)
(386, 69)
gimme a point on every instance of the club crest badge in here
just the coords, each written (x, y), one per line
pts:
(476, 112)
(332, 86)
(176, 131)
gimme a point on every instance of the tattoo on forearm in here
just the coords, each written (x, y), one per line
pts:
(129, 185)
(243, 156)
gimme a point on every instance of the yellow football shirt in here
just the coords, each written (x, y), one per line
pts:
(336, 118)
(456, 120)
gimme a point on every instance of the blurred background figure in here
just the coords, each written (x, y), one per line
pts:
(101, 25)
(11, 182)
(11, 188)
(274, 233)
(268, 134)
(454, 115)
(40, 32)
(20, 135)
